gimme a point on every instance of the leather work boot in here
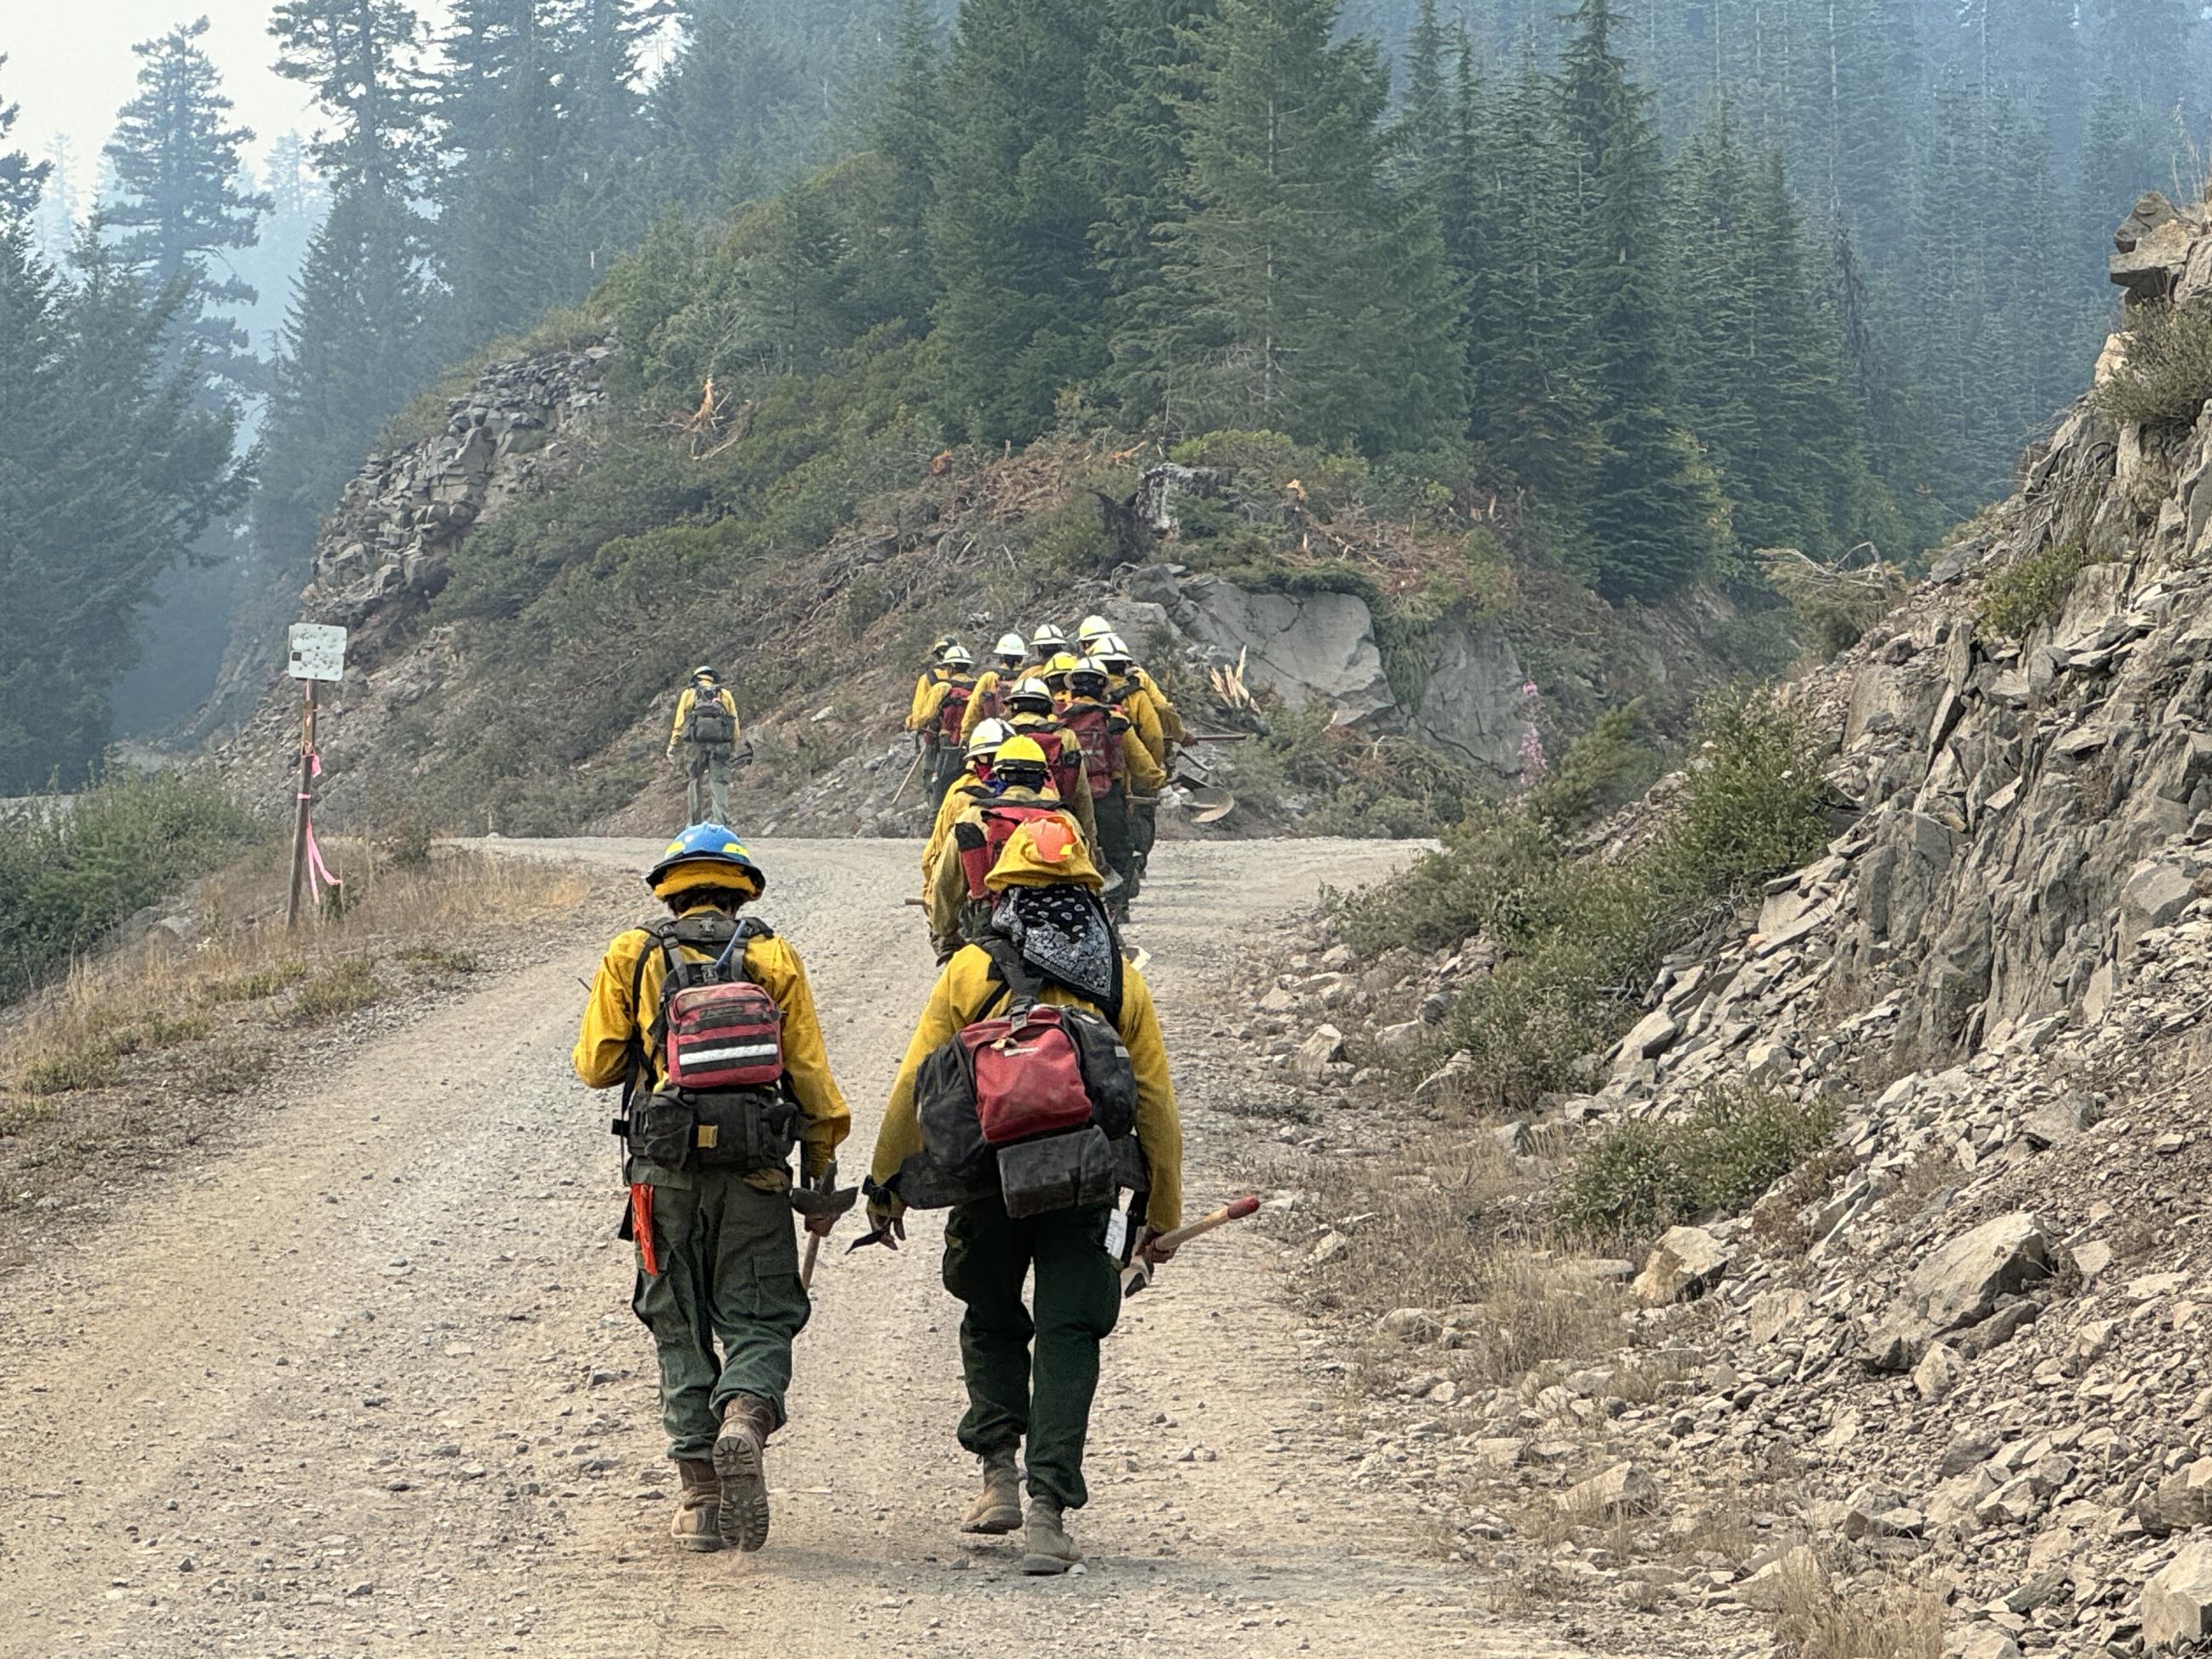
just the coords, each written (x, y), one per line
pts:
(698, 1499)
(1000, 1508)
(741, 1460)
(1046, 1546)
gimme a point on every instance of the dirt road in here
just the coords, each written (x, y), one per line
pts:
(370, 1382)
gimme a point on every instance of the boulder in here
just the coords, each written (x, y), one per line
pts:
(1322, 1048)
(2177, 1603)
(2154, 895)
(1687, 1262)
(1959, 1285)
(1776, 1314)
(1473, 707)
(1987, 1642)
(1938, 1372)
(2185, 1498)
(1309, 649)
(1399, 1040)
(1442, 1083)
(1652, 1036)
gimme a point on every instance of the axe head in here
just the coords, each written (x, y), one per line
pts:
(813, 1203)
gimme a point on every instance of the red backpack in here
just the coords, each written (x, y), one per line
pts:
(720, 1040)
(952, 711)
(1033, 1102)
(1000, 821)
(1092, 725)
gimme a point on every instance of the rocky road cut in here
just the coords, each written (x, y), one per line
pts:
(368, 1382)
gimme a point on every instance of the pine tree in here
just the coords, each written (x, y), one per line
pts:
(1531, 410)
(906, 136)
(501, 113)
(1143, 85)
(1651, 515)
(352, 353)
(21, 180)
(1021, 319)
(114, 470)
(177, 213)
(361, 59)
(1308, 297)
(55, 223)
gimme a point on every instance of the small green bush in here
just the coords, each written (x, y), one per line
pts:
(2034, 589)
(2168, 374)
(93, 1064)
(1640, 1177)
(71, 869)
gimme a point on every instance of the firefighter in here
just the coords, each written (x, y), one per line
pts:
(706, 730)
(1118, 770)
(1032, 1370)
(712, 1216)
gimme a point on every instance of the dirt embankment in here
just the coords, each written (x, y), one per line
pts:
(366, 1382)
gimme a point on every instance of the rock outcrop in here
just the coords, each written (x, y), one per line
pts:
(522, 429)
(1977, 1339)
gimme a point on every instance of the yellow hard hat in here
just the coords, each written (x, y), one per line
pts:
(1020, 751)
(1062, 664)
(938, 646)
(954, 656)
(1093, 628)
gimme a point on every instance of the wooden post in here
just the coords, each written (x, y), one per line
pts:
(300, 809)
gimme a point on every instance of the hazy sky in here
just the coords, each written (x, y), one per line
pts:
(70, 65)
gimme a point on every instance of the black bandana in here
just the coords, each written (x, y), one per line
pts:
(1063, 934)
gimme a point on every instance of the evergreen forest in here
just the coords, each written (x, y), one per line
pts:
(1679, 279)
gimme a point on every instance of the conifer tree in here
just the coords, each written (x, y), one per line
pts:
(114, 470)
(1308, 297)
(500, 115)
(1651, 516)
(906, 136)
(361, 59)
(21, 180)
(1021, 317)
(1532, 411)
(1143, 85)
(177, 212)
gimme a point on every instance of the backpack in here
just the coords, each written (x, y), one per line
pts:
(953, 711)
(710, 721)
(724, 1104)
(1093, 725)
(1038, 1103)
(1000, 821)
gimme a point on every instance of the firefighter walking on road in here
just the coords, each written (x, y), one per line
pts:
(707, 1024)
(705, 733)
(1032, 1165)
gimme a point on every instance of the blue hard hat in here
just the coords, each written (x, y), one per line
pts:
(706, 844)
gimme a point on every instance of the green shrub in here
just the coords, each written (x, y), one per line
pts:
(1603, 769)
(2168, 373)
(1640, 1177)
(2033, 590)
(90, 1064)
(72, 868)
(1578, 939)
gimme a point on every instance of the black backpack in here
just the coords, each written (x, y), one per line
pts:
(711, 724)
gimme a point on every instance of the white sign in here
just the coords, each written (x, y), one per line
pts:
(317, 651)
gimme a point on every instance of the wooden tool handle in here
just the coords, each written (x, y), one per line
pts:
(1235, 1211)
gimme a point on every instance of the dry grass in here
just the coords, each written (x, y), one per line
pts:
(248, 974)
(1901, 1623)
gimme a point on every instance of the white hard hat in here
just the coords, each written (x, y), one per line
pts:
(1110, 649)
(1012, 645)
(987, 737)
(956, 656)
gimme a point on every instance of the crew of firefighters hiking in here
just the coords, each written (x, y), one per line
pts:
(1033, 1105)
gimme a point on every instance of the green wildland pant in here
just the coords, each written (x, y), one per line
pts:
(1014, 1394)
(945, 765)
(708, 764)
(728, 1279)
(1114, 846)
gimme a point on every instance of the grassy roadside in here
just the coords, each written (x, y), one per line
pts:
(157, 1043)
